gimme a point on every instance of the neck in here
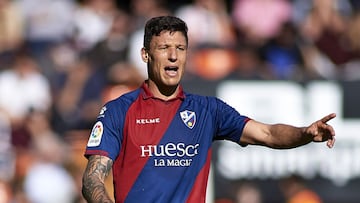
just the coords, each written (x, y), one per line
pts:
(163, 92)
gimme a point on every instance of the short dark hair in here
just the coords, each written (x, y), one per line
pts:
(156, 25)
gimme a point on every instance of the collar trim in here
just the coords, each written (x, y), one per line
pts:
(147, 94)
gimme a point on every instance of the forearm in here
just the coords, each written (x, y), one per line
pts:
(283, 136)
(93, 188)
(94, 191)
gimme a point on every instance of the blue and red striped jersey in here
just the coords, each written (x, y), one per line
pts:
(162, 149)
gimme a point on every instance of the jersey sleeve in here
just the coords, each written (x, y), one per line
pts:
(230, 123)
(106, 135)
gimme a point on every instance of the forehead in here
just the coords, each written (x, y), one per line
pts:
(167, 37)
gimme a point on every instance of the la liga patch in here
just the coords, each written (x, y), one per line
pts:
(96, 134)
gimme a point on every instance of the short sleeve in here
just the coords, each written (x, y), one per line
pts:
(106, 135)
(230, 123)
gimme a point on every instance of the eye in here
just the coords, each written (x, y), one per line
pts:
(162, 47)
(181, 48)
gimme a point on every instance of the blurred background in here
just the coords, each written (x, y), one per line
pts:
(290, 61)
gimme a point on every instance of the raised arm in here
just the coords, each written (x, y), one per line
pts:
(93, 188)
(281, 136)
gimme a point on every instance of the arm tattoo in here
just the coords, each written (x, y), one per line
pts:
(97, 169)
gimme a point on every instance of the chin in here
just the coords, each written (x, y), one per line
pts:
(171, 84)
(172, 81)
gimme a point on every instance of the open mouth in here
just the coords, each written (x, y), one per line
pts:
(171, 70)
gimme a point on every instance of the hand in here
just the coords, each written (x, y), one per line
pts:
(322, 132)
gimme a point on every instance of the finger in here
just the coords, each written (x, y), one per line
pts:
(330, 143)
(328, 117)
(327, 129)
(330, 129)
(331, 133)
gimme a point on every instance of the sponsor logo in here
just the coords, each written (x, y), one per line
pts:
(102, 112)
(147, 120)
(96, 134)
(170, 149)
(189, 118)
(171, 154)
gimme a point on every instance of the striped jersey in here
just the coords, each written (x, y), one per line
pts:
(162, 149)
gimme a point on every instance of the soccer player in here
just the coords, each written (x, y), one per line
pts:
(157, 139)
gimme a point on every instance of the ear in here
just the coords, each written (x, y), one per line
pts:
(144, 55)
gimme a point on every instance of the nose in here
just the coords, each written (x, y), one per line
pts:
(172, 54)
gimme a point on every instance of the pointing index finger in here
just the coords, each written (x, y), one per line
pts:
(328, 117)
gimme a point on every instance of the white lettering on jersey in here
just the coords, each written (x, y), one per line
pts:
(147, 120)
(170, 149)
(170, 154)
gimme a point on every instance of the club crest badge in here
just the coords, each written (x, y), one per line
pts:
(189, 118)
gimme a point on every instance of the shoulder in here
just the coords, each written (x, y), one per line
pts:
(126, 98)
(215, 106)
(123, 102)
(204, 99)
(209, 102)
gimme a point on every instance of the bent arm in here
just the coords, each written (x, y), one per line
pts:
(93, 187)
(282, 136)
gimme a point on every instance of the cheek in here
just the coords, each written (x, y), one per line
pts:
(155, 67)
(182, 61)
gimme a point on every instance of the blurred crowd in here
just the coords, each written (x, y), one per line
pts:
(61, 60)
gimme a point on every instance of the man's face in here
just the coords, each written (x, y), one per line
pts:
(167, 58)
